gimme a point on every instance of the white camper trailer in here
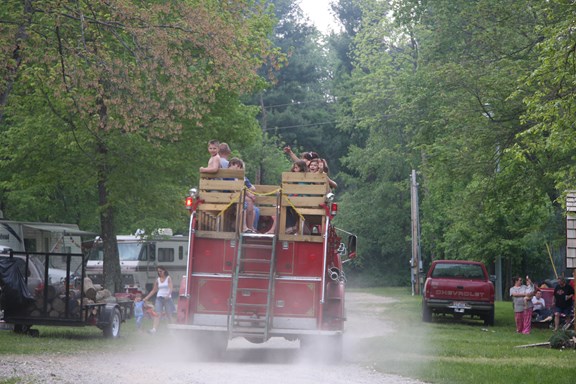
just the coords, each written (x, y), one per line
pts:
(139, 257)
(24, 236)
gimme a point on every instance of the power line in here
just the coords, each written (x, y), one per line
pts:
(354, 120)
(296, 103)
(299, 126)
(334, 100)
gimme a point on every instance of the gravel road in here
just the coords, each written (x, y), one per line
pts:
(277, 361)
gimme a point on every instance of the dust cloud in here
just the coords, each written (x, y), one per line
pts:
(172, 357)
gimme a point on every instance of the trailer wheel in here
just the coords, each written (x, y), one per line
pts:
(21, 328)
(112, 330)
(26, 329)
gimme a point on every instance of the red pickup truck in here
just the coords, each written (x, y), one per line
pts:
(458, 287)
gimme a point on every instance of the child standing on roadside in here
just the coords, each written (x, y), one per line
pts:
(138, 311)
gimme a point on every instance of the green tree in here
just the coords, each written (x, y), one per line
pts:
(470, 58)
(297, 106)
(437, 88)
(549, 141)
(376, 204)
(117, 84)
(342, 85)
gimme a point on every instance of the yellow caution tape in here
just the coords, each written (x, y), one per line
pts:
(294, 208)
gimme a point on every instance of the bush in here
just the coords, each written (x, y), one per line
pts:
(562, 339)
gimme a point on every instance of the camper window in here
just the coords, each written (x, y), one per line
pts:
(96, 253)
(165, 255)
(129, 251)
(30, 245)
(148, 253)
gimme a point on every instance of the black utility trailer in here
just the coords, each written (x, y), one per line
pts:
(32, 293)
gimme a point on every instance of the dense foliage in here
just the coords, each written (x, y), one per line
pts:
(476, 97)
(105, 110)
(105, 106)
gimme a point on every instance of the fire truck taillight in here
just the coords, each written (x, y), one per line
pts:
(193, 194)
(333, 209)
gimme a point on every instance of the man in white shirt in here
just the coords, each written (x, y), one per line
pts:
(542, 314)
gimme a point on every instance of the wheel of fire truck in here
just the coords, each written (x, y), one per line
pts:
(112, 328)
(255, 340)
(323, 348)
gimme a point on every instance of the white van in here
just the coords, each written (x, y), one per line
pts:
(139, 257)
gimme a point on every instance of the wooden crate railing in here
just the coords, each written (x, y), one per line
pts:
(218, 213)
(267, 202)
(303, 193)
(266, 199)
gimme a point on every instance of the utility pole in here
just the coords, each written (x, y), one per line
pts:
(498, 271)
(416, 261)
(498, 261)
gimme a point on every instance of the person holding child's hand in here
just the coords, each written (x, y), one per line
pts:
(163, 290)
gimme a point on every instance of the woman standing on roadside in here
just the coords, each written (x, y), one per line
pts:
(522, 299)
(528, 306)
(517, 294)
(163, 290)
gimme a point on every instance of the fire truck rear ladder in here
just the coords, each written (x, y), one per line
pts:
(245, 319)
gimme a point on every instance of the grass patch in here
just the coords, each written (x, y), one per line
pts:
(12, 380)
(444, 351)
(66, 340)
(449, 351)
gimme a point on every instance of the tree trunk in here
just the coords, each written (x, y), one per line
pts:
(111, 269)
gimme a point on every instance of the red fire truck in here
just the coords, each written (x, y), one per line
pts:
(256, 285)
